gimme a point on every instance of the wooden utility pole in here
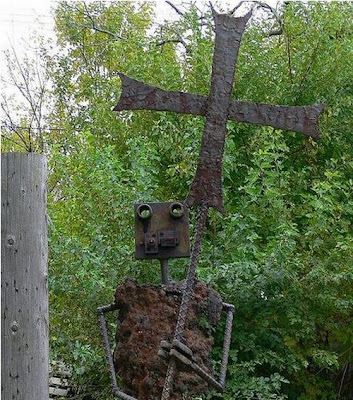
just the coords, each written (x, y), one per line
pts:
(24, 285)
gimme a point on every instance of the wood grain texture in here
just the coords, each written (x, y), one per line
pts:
(24, 286)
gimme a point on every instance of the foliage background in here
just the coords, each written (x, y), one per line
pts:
(284, 252)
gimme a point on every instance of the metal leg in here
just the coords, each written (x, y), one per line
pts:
(178, 351)
(226, 342)
(103, 323)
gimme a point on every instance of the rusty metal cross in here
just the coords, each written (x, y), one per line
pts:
(206, 189)
(217, 108)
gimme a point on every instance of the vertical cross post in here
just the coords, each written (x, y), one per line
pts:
(207, 185)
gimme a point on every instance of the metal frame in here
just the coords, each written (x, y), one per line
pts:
(177, 350)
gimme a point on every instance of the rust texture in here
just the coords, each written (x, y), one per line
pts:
(142, 378)
(217, 108)
(159, 226)
(137, 95)
(147, 315)
(207, 185)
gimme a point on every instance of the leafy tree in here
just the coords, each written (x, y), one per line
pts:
(283, 254)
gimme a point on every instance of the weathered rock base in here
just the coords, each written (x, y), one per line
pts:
(147, 315)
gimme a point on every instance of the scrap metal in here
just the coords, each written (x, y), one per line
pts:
(206, 188)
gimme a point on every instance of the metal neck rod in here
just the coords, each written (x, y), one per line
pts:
(165, 271)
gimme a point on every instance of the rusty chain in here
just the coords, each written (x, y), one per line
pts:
(187, 291)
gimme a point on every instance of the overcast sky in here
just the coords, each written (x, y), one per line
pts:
(20, 18)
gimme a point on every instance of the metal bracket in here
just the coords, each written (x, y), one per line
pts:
(177, 349)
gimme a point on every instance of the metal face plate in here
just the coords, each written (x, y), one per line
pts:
(161, 233)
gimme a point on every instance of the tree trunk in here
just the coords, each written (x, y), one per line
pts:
(24, 286)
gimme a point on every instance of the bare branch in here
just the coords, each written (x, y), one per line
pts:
(277, 32)
(12, 127)
(23, 75)
(168, 41)
(260, 4)
(278, 18)
(342, 379)
(180, 40)
(238, 6)
(94, 26)
(97, 29)
(174, 8)
(23, 146)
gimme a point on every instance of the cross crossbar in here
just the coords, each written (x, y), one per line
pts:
(137, 95)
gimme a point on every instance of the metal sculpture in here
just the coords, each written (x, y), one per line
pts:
(206, 189)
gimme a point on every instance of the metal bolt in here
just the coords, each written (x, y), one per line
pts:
(14, 327)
